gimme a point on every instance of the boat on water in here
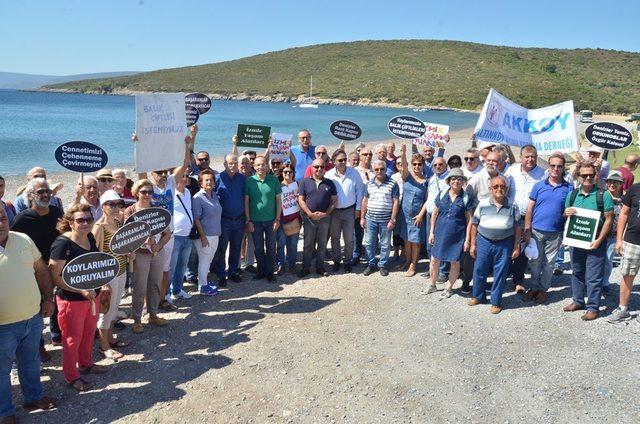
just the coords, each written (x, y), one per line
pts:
(422, 109)
(308, 104)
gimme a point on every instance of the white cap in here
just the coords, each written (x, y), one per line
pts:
(531, 251)
(110, 196)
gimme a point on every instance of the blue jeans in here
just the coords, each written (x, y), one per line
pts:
(192, 264)
(608, 263)
(491, 255)
(291, 243)
(377, 231)
(560, 257)
(588, 270)
(179, 258)
(232, 233)
(264, 242)
(20, 340)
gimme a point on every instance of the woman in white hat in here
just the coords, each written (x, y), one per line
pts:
(112, 205)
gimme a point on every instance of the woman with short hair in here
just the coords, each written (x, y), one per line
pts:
(289, 221)
(207, 214)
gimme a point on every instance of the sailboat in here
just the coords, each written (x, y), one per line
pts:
(307, 104)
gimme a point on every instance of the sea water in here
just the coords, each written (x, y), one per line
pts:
(33, 124)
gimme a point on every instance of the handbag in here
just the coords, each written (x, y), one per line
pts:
(292, 227)
(194, 234)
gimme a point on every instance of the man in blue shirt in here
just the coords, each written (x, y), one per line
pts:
(304, 154)
(230, 191)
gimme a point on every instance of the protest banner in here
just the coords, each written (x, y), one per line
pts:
(256, 136)
(129, 238)
(549, 129)
(81, 156)
(157, 218)
(580, 229)
(90, 271)
(289, 199)
(280, 146)
(192, 115)
(161, 127)
(608, 135)
(200, 101)
(406, 127)
(345, 130)
(435, 136)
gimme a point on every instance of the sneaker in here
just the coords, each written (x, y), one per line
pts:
(251, 269)
(122, 315)
(258, 277)
(157, 321)
(557, 271)
(222, 282)
(495, 309)
(182, 295)
(208, 290)
(618, 315)
(384, 272)
(465, 289)
(431, 289)
(347, 269)
(271, 279)
(446, 294)
(322, 272)
(335, 268)
(368, 270)
(236, 278)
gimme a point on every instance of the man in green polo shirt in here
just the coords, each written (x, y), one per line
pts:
(262, 207)
(588, 264)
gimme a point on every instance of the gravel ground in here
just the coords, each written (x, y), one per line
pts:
(352, 349)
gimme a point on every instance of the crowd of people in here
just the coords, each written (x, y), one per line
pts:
(486, 214)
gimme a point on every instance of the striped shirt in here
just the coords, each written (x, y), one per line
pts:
(380, 199)
(496, 223)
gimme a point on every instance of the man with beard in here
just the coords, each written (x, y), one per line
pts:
(20, 201)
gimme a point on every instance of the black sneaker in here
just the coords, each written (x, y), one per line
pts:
(236, 278)
(558, 271)
(252, 269)
(348, 268)
(271, 279)
(384, 272)
(303, 273)
(322, 272)
(335, 268)
(368, 270)
(222, 282)
(258, 277)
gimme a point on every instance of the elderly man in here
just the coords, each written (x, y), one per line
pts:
(525, 176)
(366, 174)
(627, 169)
(202, 161)
(472, 163)
(27, 298)
(105, 180)
(380, 205)
(496, 228)
(349, 188)
(588, 264)
(230, 190)
(381, 154)
(317, 199)
(595, 159)
(320, 153)
(87, 193)
(544, 222)
(262, 209)
(37, 172)
(303, 154)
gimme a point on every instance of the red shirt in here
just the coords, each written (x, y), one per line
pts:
(627, 176)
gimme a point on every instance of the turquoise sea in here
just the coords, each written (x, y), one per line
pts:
(33, 124)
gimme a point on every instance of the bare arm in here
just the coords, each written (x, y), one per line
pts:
(45, 285)
(234, 146)
(189, 144)
(528, 218)
(405, 166)
(332, 205)
(474, 239)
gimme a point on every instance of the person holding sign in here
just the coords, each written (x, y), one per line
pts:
(77, 309)
(289, 230)
(588, 264)
(112, 204)
(149, 264)
(262, 208)
(26, 299)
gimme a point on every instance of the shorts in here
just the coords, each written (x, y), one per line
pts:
(630, 259)
(167, 250)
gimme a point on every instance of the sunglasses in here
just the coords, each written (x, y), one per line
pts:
(147, 192)
(163, 172)
(366, 154)
(556, 166)
(456, 179)
(585, 176)
(439, 164)
(276, 162)
(105, 180)
(417, 164)
(318, 166)
(470, 159)
(287, 172)
(83, 220)
(320, 153)
(114, 204)
(380, 169)
(44, 191)
(499, 187)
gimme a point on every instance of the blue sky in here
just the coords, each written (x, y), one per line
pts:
(78, 36)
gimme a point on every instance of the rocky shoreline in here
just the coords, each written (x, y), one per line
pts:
(276, 98)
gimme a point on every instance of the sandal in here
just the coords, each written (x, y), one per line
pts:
(94, 369)
(81, 384)
(111, 354)
(118, 343)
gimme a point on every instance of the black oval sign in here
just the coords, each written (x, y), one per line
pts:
(608, 135)
(345, 130)
(90, 271)
(200, 101)
(192, 115)
(81, 156)
(406, 126)
(157, 218)
(130, 237)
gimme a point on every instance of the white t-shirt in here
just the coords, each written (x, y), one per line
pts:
(182, 219)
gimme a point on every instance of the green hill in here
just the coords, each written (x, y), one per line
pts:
(412, 72)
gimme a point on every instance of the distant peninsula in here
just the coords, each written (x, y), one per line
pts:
(413, 73)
